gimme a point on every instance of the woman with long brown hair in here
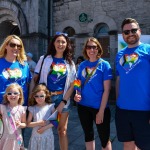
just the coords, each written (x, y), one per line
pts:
(58, 73)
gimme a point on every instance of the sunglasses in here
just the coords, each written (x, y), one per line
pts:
(39, 96)
(91, 47)
(127, 32)
(13, 93)
(13, 45)
(61, 33)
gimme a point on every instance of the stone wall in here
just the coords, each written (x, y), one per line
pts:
(66, 13)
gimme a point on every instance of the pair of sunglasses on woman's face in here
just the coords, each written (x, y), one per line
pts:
(13, 45)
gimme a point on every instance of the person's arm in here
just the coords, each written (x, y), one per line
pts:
(32, 84)
(34, 124)
(21, 124)
(36, 74)
(117, 86)
(66, 97)
(44, 128)
(100, 114)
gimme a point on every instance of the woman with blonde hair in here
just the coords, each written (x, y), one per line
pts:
(14, 118)
(14, 67)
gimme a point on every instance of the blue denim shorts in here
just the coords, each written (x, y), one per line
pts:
(57, 99)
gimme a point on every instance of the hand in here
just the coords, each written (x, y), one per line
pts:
(77, 97)
(42, 122)
(41, 130)
(18, 124)
(99, 117)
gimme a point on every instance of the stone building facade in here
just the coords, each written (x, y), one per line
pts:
(38, 20)
(28, 19)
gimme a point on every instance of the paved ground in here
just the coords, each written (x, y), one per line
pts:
(75, 133)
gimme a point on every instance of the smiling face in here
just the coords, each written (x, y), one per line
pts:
(132, 38)
(40, 98)
(13, 48)
(92, 50)
(60, 45)
(13, 96)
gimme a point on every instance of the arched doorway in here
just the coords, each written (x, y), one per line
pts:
(8, 27)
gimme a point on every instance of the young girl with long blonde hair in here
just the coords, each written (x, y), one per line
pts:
(14, 118)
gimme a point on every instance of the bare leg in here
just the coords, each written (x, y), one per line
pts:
(108, 146)
(130, 146)
(62, 131)
(90, 145)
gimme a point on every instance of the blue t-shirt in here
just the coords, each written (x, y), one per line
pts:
(57, 76)
(92, 91)
(133, 68)
(14, 72)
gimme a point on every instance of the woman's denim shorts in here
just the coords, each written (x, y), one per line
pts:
(57, 99)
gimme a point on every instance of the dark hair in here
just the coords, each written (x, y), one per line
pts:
(80, 57)
(128, 21)
(67, 55)
(100, 50)
(38, 88)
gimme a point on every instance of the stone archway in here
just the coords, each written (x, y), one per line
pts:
(12, 19)
(103, 19)
(70, 23)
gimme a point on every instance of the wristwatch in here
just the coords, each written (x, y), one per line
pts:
(65, 102)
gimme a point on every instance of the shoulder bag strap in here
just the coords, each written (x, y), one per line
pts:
(38, 79)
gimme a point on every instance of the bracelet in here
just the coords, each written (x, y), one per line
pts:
(65, 102)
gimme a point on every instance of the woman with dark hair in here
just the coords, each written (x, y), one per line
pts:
(95, 75)
(58, 73)
(79, 60)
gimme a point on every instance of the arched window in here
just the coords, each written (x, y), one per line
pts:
(70, 31)
(101, 33)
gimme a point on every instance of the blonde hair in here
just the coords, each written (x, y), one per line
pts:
(38, 88)
(14, 86)
(99, 47)
(21, 56)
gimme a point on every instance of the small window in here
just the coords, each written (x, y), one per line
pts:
(70, 31)
(101, 30)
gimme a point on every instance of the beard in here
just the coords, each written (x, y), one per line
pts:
(132, 40)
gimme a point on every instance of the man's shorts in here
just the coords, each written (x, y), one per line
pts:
(133, 125)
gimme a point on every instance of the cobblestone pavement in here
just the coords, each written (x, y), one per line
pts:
(75, 133)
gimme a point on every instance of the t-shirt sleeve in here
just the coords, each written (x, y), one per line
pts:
(107, 71)
(31, 109)
(116, 62)
(38, 66)
(24, 109)
(73, 72)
